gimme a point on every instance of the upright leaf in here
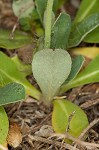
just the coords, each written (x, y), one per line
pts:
(61, 31)
(50, 69)
(11, 93)
(18, 40)
(82, 29)
(41, 6)
(62, 110)
(10, 73)
(87, 8)
(4, 126)
(89, 75)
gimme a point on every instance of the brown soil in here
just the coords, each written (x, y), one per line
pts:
(32, 115)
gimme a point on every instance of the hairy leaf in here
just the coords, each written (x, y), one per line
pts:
(87, 8)
(11, 93)
(82, 29)
(50, 69)
(61, 31)
(10, 73)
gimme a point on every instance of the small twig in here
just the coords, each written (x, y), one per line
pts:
(94, 122)
(44, 140)
(69, 120)
(62, 143)
(59, 97)
(86, 130)
(78, 141)
(90, 103)
(46, 118)
(13, 30)
(82, 142)
(68, 127)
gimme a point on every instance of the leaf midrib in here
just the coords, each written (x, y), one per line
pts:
(87, 11)
(10, 77)
(80, 79)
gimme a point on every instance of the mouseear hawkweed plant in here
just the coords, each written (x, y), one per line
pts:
(52, 66)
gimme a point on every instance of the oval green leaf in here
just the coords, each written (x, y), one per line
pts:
(18, 40)
(80, 31)
(50, 69)
(10, 73)
(4, 126)
(11, 93)
(60, 31)
(41, 7)
(89, 75)
(62, 110)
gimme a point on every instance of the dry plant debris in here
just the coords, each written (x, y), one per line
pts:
(34, 119)
(14, 136)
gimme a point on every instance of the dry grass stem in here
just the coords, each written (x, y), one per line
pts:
(90, 103)
(75, 140)
(94, 122)
(44, 140)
